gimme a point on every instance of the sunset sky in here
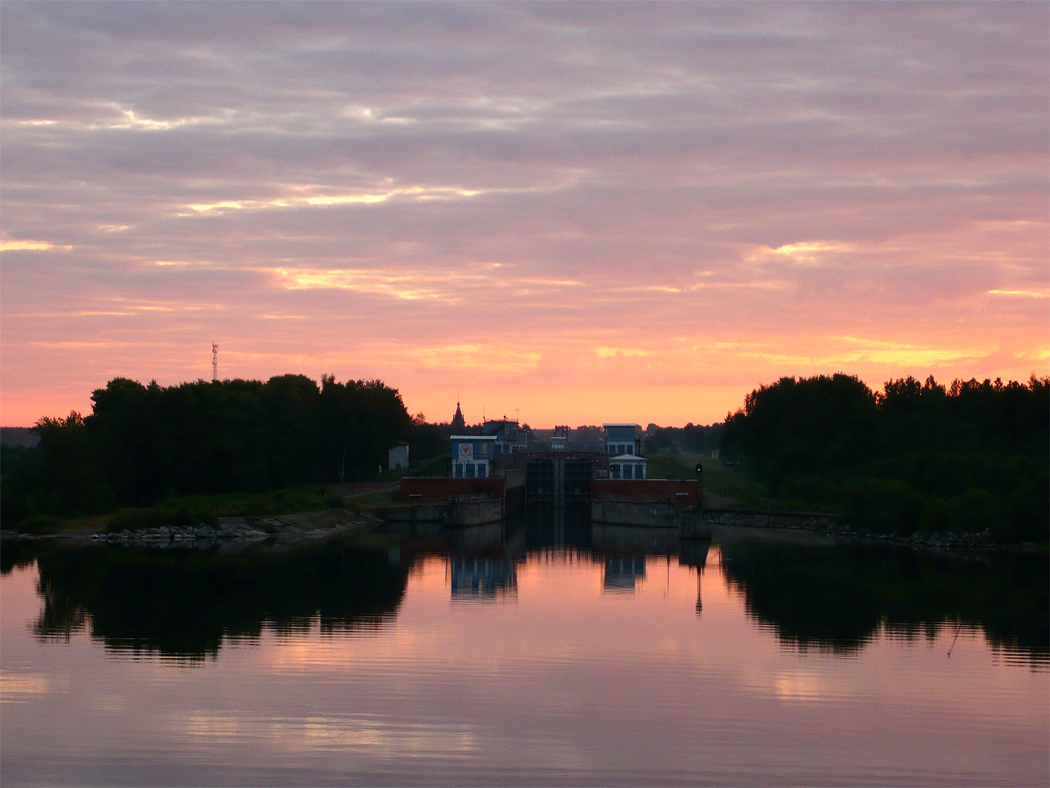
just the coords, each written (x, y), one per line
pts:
(573, 212)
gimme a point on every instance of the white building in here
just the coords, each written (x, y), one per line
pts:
(627, 466)
(398, 456)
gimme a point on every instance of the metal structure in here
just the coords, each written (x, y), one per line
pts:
(214, 361)
(560, 479)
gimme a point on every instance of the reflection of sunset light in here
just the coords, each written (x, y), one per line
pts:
(20, 687)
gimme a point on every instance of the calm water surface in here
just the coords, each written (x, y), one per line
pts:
(548, 653)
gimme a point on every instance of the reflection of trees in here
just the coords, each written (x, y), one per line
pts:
(184, 604)
(839, 597)
(15, 555)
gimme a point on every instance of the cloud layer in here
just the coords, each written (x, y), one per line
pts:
(581, 211)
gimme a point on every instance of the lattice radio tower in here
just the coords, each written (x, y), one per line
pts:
(214, 362)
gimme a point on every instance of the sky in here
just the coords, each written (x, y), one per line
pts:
(570, 213)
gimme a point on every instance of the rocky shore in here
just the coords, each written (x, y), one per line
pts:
(285, 529)
(920, 538)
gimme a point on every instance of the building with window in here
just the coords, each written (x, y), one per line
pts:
(510, 438)
(472, 456)
(622, 439)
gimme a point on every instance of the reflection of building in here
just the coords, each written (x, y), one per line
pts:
(471, 456)
(398, 456)
(483, 578)
(622, 574)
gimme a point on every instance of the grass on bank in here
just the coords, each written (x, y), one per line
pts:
(732, 482)
(192, 510)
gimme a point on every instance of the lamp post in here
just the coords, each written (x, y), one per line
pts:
(699, 489)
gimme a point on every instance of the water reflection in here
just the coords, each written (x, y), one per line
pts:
(839, 597)
(184, 604)
(622, 574)
(817, 595)
(483, 578)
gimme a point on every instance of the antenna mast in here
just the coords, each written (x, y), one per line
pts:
(214, 361)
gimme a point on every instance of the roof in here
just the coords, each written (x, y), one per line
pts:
(473, 437)
(628, 457)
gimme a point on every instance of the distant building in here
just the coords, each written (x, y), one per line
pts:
(472, 456)
(458, 422)
(714, 454)
(510, 438)
(622, 439)
(398, 456)
(558, 442)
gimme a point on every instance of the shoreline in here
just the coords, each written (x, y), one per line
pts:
(285, 529)
(304, 527)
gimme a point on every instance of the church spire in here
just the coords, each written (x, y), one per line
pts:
(458, 422)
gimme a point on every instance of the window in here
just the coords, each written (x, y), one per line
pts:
(459, 470)
(614, 471)
(639, 471)
(470, 470)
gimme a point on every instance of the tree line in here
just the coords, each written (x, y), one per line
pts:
(144, 442)
(690, 439)
(915, 456)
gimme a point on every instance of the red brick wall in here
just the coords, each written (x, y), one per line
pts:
(645, 490)
(441, 488)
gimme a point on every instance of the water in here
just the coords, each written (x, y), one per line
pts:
(554, 653)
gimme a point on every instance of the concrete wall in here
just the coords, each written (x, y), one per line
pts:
(475, 512)
(634, 513)
(657, 490)
(653, 515)
(423, 513)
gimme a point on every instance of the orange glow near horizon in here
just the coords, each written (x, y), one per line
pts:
(643, 227)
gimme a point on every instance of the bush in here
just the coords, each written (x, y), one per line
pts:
(141, 519)
(39, 524)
